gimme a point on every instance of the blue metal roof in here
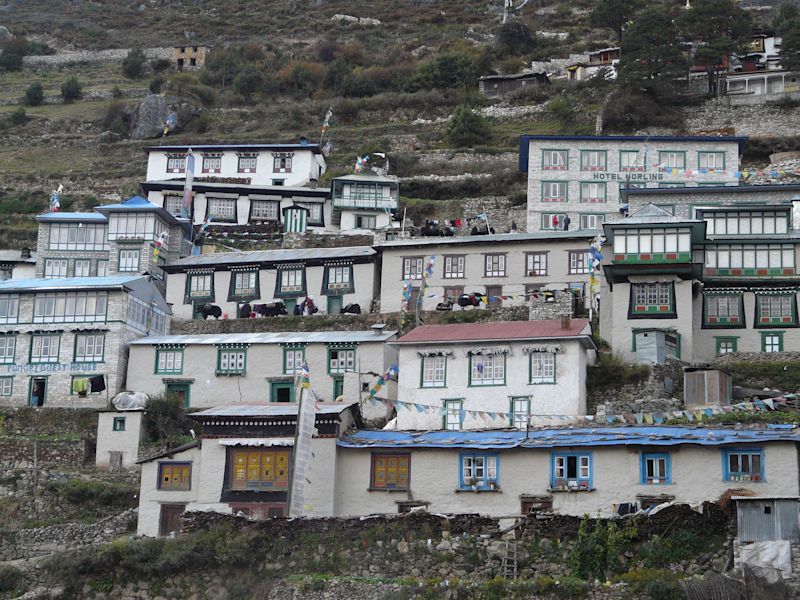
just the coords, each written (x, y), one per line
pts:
(94, 217)
(38, 285)
(557, 438)
(136, 202)
(525, 139)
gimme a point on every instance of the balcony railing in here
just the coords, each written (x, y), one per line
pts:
(373, 201)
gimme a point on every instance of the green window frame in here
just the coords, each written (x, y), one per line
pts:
(293, 358)
(290, 281)
(772, 341)
(775, 310)
(588, 196)
(8, 348)
(337, 280)
(701, 154)
(38, 344)
(662, 155)
(275, 386)
(341, 359)
(169, 361)
(519, 412)
(452, 419)
(89, 348)
(244, 285)
(726, 344)
(547, 221)
(6, 386)
(199, 287)
(723, 311)
(652, 300)
(118, 424)
(487, 370)
(635, 168)
(72, 385)
(673, 184)
(433, 371)
(554, 194)
(555, 159)
(232, 360)
(586, 160)
(542, 368)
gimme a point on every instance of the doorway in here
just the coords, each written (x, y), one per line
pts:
(334, 305)
(170, 522)
(281, 392)
(37, 391)
(181, 390)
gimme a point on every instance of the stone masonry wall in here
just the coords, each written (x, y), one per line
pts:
(19, 453)
(89, 56)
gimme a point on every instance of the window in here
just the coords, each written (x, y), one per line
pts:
(55, 267)
(749, 260)
(668, 185)
(591, 221)
(746, 222)
(555, 160)
(176, 163)
(128, 260)
(630, 160)
(279, 182)
(291, 282)
(89, 347)
(9, 307)
(434, 371)
(487, 369)
(542, 367)
(44, 348)
(200, 286)
(174, 476)
(593, 192)
(724, 310)
(726, 345)
(137, 226)
(8, 347)
(341, 360)
(554, 191)
(412, 267)
(212, 163)
(247, 163)
(671, 159)
(366, 222)
(78, 236)
(535, 264)
(82, 267)
(169, 361)
(453, 414)
(339, 279)
(593, 160)
(118, 424)
(221, 209)
(75, 307)
(6, 386)
(652, 245)
(173, 204)
(231, 361)
(314, 212)
(495, 265)
(257, 469)
(245, 283)
(145, 316)
(571, 471)
(454, 267)
(520, 412)
(778, 309)
(390, 471)
(266, 210)
(479, 471)
(553, 221)
(282, 163)
(772, 342)
(711, 160)
(652, 298)
(6, 272)
(579, 262)
(656, 468)
(293, 359)
(744, 464)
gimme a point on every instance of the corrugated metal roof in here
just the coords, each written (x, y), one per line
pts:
(283, 337)
(277, 409)
(729, 189)
(38, 285)
(272, 256)
(16, 256)
(650, 213)
(370, 177)
(278, 190)
(495, 331)
(72, 216)
(495, 238)
(557, 438)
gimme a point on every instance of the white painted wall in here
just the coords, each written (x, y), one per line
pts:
(126, 441)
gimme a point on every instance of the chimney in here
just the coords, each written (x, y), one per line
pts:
(25, 253)
(566, 321)
(378, 328)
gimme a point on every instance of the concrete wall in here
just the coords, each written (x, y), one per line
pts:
(434, 476)
(125, 441)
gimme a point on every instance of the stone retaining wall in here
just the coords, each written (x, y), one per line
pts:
(72, 57)
(18, 453)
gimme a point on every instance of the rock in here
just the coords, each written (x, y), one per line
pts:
(151, 114)
(402, 547)
(5, 34)
(444, 546)
(108, 137)
(718, 564)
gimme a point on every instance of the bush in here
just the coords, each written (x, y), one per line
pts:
(18, 117)
(11, 578)
(467, 128)
(156, 83)
(10, 61)
(71, 89)
(34, 95)
(628, 111)
(165, 421)
(160, 65)
(117, 119)
(248, 82)
(133, 63)
(612, 370)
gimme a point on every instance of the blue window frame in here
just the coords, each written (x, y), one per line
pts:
(656, 468)
(743, 464)
(479, 471)
(571, 471)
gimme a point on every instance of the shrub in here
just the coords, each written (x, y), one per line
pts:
(18, 117)
(133, 63)
(71, 89)
(467, 128)
(117, 119)
(11, 578)
(346, 111)
(160, 65)
(34, 95)
(248, 82)
(156, 83)
(629, 111)
(202, 123)
(165, 420)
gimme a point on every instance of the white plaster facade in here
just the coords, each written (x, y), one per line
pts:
(118, 432)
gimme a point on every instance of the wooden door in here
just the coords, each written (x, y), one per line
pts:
(171, 519)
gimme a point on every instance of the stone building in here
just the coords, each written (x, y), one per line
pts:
(510, 268)
(364, 201)
(258, 368)
(580, 177)
(57, 335)
(188, 58)
(332, 277)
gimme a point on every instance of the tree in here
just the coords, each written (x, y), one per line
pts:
(18, 117)
(467, 128)
(10, 61)
(790, 50)
(34, 95)
(615, 15)
(71, 89)
(652, 57)
(133, 63)
(716, 29)
(514, 39)
(248, 82)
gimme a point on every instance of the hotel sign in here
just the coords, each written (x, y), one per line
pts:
(52, 368)
(628, 176)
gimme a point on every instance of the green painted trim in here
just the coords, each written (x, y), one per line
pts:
(75, 348)
(44, 362)
(759, 323)
(547, 224)
(483, 385)
(178, 386)
(11, 389)
(118, 424)
(566, 165)
(717, 152)
(345, 347)
(653, 258)
(724, 322)
(530, 370)
(600, 183)
(554, 202)
(229, 371)
(422, 374)
(511, 400)
(276, 385)
(765, 334)
(597, 169)
(445, 403)
(733, 339)
(652, 311)
(294, 349)
(234, 297)
(290, 294)
(660, 152)
(187, 296)
(629, 170)
(337, 291)
(755, 272)
(166, 371)
(338, 386)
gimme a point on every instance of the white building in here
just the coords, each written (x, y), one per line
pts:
(119, 433)
(364, 201)
(514, 265)
(17, 264)
(258, 368)
(580, 177)
(332, 277)
(518, 368)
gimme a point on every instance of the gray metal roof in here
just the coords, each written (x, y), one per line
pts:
(58, 217)
(69, 283)
(585, 234)
(368, 177)
(650, 213)
(282, 337)
(276, 409)
(8, 256)
(261, 256)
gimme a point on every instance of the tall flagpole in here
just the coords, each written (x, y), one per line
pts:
(301, 451)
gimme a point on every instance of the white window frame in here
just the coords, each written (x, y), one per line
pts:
(200, 285)
(591, 221)
(8, 349)
(89, 347)
(542, 367)
(345, 361)
(554, 191)
(70, 307)
(555, 160)
(413, 267)
(83, 267)
(579, 262)
(247, 164)
(594, 192)
(591, 160)
(55, 268)
(232, 360)
(494, 265)
(487, 369)
(268, 210)
(221, 209)
(434, 371)
(170, 361)
(45, 348)
(455, 266)
(292, 280)
(129, 261)
(9, 308)
(536, 264)
(244, 283)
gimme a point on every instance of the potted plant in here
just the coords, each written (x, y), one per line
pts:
(493, 485)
